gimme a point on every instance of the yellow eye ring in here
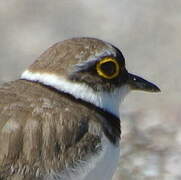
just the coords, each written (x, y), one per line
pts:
(106, 60)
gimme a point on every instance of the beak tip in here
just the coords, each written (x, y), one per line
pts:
(156, 89)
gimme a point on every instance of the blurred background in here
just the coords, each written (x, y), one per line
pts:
(149, 34)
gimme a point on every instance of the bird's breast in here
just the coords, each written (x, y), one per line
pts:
(99, 167)
(106, 163)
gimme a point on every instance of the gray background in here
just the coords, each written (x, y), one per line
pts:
(149, 34)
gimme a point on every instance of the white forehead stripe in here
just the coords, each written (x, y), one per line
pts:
(105, 100)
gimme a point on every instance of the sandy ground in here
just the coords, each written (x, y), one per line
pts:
(148, 33)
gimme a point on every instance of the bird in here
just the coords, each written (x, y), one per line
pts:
(61, 119)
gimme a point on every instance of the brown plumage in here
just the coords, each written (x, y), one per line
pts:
(47, 127)
(38, 128)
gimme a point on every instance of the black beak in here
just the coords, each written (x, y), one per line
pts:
(138, 83)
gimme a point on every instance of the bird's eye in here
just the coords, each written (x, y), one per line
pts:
(108, 68)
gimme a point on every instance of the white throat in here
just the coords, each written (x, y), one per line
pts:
(109, 101)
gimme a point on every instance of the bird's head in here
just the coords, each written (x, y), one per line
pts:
(89, 69)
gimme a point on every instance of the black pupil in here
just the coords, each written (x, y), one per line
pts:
(108, 68)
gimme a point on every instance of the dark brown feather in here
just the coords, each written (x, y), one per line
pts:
(42, 129)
